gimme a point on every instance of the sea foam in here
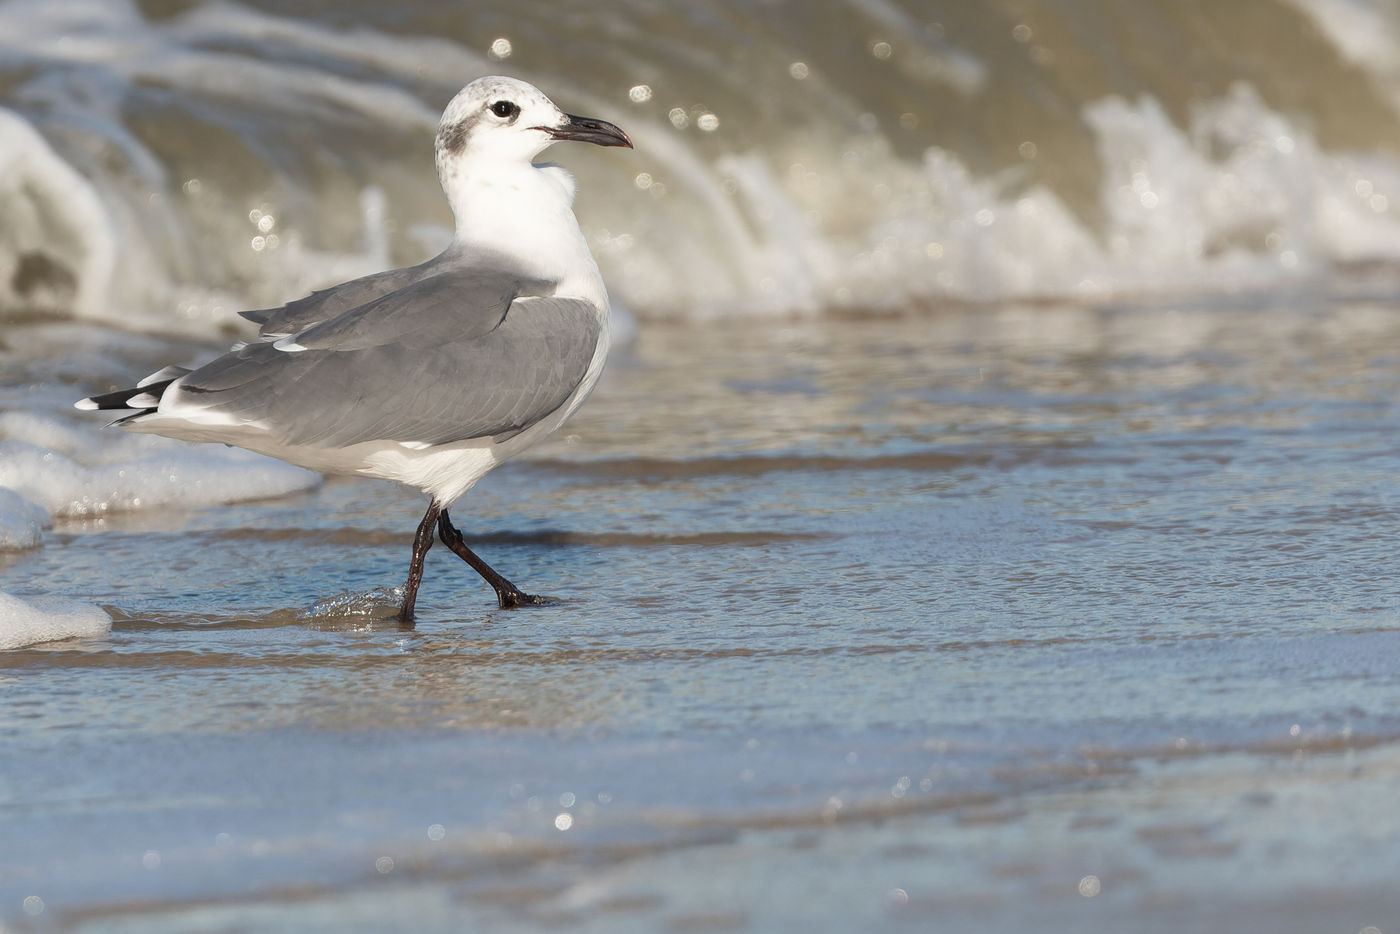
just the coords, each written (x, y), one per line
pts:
(48, 620)
(52, 467)
(21, 522)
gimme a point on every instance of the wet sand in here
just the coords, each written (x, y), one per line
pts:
(990, 618)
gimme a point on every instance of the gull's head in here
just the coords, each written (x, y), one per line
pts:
(503, 119)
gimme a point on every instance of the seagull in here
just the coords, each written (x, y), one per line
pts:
(434, 374)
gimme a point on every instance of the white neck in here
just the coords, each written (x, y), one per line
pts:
(525, 212)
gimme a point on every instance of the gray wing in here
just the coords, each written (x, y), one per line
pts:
(451, 306)
(328, 303)
(432, 366)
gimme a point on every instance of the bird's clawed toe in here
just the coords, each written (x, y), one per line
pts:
(510, 599)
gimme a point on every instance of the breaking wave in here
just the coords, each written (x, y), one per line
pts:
(163, 164)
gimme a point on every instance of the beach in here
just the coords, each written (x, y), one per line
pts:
(979, 575)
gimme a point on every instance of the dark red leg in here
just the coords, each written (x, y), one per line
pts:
(507, 594)
(421, 543)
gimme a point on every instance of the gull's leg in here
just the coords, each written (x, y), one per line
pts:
(421, 543)
(507, 594)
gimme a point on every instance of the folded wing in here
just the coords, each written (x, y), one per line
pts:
(450, 358)
(325, 304)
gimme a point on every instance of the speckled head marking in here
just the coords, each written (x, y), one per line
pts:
(453, 139)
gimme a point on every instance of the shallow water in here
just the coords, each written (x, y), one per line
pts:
(1053, 617)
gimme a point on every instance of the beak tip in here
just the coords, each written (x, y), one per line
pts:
(590, 130)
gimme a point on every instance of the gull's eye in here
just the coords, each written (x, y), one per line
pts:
(506, 110)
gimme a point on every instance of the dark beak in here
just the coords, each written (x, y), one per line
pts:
(588, 130)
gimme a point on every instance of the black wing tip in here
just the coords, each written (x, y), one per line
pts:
(121, 399)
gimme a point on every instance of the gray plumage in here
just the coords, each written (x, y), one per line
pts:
(325, 304)
(505, 354)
